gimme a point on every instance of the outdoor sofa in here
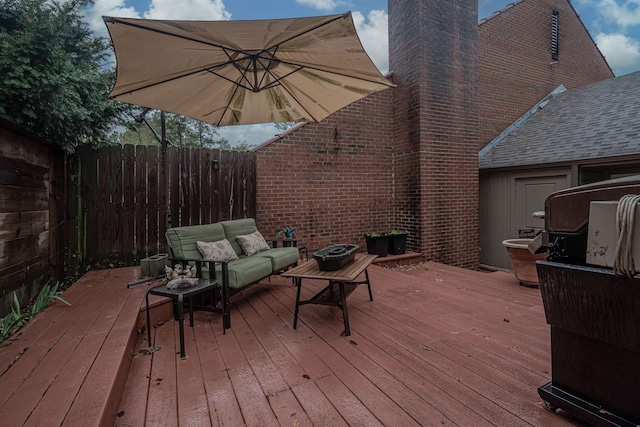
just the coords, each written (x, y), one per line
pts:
(190, 244)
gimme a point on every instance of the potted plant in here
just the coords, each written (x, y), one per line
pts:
(397, 242)
(377, 244)
(523, 261)
(289, 238)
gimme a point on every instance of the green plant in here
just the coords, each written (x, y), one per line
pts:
(12, 321)
(396, 232)
(16, 319)
(373, 235)
(288, 233)
(46, 297)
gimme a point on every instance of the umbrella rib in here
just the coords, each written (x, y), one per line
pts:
(113, 96)
(277, 80)
(243, 72)
(337, 72)
(114, 20)
(168, 33)
(239, 84)
(226, 108)
(266, 68)
(344, 15)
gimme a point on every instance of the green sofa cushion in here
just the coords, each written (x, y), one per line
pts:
(281, 257)
(245, 271)
(182, 240)
(238, 227)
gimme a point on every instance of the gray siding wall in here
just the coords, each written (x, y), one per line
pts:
(503, 211)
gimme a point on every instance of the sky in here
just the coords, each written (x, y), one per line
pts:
(613, 24)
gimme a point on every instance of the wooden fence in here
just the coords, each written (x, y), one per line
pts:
(122, 199)
(31, 214)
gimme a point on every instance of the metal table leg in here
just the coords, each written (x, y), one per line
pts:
(181, 326)
(366, 274)
(298, 282)
(148, 319)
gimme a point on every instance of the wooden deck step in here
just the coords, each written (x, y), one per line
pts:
(68, 366)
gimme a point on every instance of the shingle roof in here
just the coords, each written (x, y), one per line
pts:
(599, 120)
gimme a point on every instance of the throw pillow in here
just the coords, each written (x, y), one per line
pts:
(217, 251)
(253, 243)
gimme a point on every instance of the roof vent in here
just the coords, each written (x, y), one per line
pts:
(554, 35)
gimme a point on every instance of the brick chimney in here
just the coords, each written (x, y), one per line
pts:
(433, 54)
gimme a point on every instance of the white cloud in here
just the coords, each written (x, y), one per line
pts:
(625, 14)
(93, 15)
(213, 10)
(374, 36)
(158, 9)
(622, 52)
(251, 134)
(320, 4)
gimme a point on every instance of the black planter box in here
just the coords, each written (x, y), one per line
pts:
(398, 243)
(378, 245)
(335, 257)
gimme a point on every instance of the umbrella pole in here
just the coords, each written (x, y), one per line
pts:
(165, 174)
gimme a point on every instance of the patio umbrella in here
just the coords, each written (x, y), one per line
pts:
(243, 72)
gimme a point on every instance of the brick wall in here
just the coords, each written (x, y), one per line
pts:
(406, 158)
(433, 55)
(516, 69)
(332, 180)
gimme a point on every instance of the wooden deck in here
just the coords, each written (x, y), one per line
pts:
(69, 365)
(437, 346)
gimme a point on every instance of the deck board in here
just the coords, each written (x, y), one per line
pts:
(100, 392)
(162, 404)
(437, 346)
(136, 391)
(419, 376)
(192, 399)
(223, 405)
(69, 356)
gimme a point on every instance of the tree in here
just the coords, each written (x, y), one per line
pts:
(138, 132)
(181, 132)
(243, 146)
(283, 126)
(205, 134)
(53, 76)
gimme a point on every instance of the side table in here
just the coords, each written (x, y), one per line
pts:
(178, 296)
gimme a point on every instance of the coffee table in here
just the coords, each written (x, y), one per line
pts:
(341, 284)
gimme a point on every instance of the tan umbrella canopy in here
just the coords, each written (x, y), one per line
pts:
(243, 72)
